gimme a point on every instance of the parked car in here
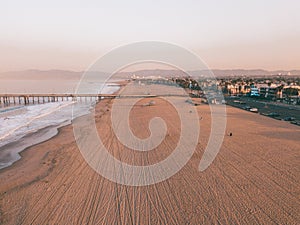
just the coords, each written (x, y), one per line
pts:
(247, 107)
(255, 110)
(273, 114)
(289, 118)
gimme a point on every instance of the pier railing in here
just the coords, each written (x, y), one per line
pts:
(26, 99)
(43, 98)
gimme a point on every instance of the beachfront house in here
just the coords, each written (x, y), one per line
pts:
(291, 94)
(271, 91)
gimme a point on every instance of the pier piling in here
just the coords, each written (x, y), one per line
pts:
(27, 99)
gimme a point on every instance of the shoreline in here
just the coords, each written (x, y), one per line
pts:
(21, 145)
(10, 148)
(57, 128)
(53, 130)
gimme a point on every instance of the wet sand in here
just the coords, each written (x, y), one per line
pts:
(253, 180)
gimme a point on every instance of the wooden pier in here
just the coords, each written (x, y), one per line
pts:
(43, 98)
(26, 99)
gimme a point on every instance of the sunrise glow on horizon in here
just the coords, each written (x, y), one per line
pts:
(71, 35)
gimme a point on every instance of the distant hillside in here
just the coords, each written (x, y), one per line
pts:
(41, 74)
(64, 74)
(258, 72)
(217, 73)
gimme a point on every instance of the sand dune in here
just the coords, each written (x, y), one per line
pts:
(253, 180)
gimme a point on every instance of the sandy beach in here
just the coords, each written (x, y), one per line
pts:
(253, 180)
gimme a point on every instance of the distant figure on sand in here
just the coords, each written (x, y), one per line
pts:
(150, 103)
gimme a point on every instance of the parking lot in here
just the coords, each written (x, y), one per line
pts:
(276, 110)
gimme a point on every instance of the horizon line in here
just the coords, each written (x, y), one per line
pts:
(82, 71)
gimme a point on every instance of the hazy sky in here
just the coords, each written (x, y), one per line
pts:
(71, 34)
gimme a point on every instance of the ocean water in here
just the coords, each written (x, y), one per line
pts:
(23, 126)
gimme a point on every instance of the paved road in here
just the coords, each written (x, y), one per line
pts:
(265, 107)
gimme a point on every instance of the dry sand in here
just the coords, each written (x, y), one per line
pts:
(254, 179)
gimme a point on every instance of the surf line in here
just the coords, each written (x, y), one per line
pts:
(34, 118)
